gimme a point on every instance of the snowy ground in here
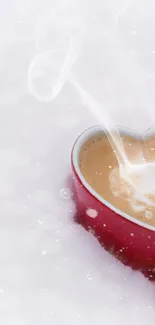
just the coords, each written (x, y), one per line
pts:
(51, 270)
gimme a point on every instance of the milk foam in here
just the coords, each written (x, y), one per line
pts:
(139, 200)
(141, 176)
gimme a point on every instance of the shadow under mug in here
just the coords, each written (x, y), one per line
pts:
(128, 239)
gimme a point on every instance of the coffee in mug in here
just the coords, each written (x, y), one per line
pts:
(100, 168)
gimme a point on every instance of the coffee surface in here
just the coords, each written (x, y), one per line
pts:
(100, 168)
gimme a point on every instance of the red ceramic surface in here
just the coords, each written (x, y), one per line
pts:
(130, 240)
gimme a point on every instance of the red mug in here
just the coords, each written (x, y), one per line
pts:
(128, 239)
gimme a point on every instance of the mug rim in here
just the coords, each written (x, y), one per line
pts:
(84, 136)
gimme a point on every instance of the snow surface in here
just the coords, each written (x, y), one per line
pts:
(51, 270)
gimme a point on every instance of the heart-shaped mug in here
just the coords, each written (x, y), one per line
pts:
(130, 240)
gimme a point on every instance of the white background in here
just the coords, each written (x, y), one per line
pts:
(51, 270)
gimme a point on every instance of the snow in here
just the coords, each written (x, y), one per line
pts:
(51, 270)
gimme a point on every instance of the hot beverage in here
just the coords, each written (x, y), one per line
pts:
(101, 170)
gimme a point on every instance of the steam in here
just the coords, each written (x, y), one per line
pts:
(104, 119)
(47, 75)
(49, 71)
